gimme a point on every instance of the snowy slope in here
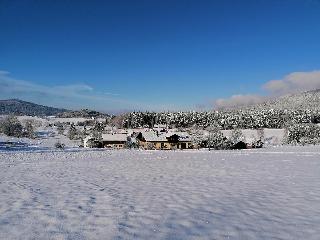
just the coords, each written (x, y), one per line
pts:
(253, 194)
(298, 101)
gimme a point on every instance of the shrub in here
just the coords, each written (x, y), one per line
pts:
(150, 146)
(29, 130)
(59, 145)
(74, 133)
(11, 126)
(132, 143)
(216, 140)
(198, 138)
(60, 128)
(96, 131)
(236, 136)
(303, 134)
(92, 143)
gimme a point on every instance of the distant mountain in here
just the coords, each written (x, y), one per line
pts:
(84, 113)
(298, 101)
(19, 107)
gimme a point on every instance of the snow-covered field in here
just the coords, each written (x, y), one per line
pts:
(269, 193)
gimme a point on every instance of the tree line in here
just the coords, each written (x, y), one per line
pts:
(244, 119)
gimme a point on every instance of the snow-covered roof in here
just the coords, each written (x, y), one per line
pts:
(140, 130)
(180, 134)
(153, 137)
(160, 126)
(122, 131)
(114, 137)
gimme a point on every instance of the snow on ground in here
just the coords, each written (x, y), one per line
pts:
(42, 141)
(271, 136)
(269, 193)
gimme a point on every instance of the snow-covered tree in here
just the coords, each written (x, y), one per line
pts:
(96, 131)
(11, 126)
(59, 145)
(236, 136)
(73, 132)
(60, 128)
(197, 136)
(253, 118)
(29, 129)
(303, 134)
(216, 140)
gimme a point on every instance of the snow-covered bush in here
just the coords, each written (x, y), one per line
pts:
(237, 136)
(257, 144)
(198, 138)
(261, 134)
(74, 133)
(316, 119)
(92, 143)
(11, 126)
(59, 145)
(96, 131)
(60, 128)
(216, 140)
(303, 134)
(150, 146)
(132, 143)
(29, 129)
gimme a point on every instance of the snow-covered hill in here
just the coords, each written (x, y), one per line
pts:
(298, 101)
(16, 106)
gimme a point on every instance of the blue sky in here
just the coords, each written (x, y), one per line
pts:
(157, 54)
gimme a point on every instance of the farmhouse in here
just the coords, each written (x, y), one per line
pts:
(146, 139)
(114, 141)
(153, 140)
(164, 141)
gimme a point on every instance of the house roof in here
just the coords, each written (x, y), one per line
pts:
(114, 137)
(162, 137)
(153, 137)
(182, 135)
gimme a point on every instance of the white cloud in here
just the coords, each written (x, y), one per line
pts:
(74, 88)
(294, 82)
(239, 101)
(67, 96)
(74, 96)
(291, 83)
(13, 86)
